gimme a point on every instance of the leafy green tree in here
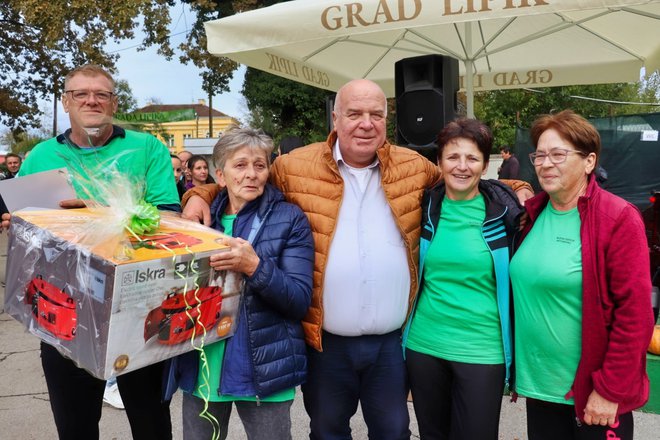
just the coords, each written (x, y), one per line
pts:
(216, 71)
(503, 110)
(26, 142)
(126, 100)
(294, 109)
(41, 41)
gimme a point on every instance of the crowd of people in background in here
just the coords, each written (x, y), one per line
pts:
(371, 272)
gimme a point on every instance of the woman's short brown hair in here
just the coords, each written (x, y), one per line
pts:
(571, 127)
(471, 129)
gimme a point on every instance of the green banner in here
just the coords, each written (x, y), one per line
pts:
(156, 117)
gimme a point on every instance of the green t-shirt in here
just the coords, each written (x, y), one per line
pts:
(546, 275)
(457, 317)
(208, 381)
(139, 157)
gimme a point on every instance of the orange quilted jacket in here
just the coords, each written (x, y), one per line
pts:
(310, 178)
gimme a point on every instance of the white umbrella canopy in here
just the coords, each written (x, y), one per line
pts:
(505, 43)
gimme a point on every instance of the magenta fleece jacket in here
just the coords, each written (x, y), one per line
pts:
(617, 318)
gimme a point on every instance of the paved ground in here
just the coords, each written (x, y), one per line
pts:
(25, 409)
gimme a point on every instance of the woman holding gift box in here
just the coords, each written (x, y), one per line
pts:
(271, 243)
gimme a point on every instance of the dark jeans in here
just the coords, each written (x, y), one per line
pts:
(76, 399)
(365, 369)
(551, 421)
(455, 400)
(266, 421)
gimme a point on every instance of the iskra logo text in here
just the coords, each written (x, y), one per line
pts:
(148, 274)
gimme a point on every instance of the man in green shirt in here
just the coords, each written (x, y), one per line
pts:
(93, 147)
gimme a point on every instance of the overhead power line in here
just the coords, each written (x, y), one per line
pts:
(608, 101)
(140, 44)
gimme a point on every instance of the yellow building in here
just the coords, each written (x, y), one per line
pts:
(173, 133)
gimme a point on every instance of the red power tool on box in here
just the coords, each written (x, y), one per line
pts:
(180, 314)
(53, 308)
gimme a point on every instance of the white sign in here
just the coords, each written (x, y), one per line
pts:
(649, 135)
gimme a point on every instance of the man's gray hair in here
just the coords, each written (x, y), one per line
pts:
(235, 138)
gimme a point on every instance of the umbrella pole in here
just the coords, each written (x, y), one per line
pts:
(469, 71)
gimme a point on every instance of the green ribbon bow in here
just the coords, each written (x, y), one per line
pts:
(145, 219)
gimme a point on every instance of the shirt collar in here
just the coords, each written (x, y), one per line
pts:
(336, 153)
(116, 132)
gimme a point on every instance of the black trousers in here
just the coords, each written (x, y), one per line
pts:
(455, 400)
(551, 421)
(76, 399)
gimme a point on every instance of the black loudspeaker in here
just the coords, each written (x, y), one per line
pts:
(329, 108)
(426, 89)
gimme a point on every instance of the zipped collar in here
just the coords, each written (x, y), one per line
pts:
(65, 138)
(494, 209)
(259, 206)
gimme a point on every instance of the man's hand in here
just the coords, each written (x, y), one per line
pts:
(197, 210)
(6, 219)
(72, 204)
(240, 257)
(600, 411)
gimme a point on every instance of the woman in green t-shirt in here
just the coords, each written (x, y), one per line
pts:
(458, 339)
(581, 285)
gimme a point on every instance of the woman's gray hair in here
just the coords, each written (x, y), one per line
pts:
(235, 138)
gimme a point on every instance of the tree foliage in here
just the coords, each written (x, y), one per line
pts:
(125, 99)
(25, 142)
(287, 107)
(503, 110)
(216, 71)
(41, 41)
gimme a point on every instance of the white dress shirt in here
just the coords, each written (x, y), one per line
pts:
(367, 279)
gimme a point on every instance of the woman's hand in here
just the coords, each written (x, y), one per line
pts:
(600, 411)
(240, 257)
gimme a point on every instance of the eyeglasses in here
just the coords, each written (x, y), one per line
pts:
(556, 155)
(84, 95)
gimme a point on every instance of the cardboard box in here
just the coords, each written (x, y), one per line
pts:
(116, 304)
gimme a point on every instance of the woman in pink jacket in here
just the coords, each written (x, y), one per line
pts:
(581, 288)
